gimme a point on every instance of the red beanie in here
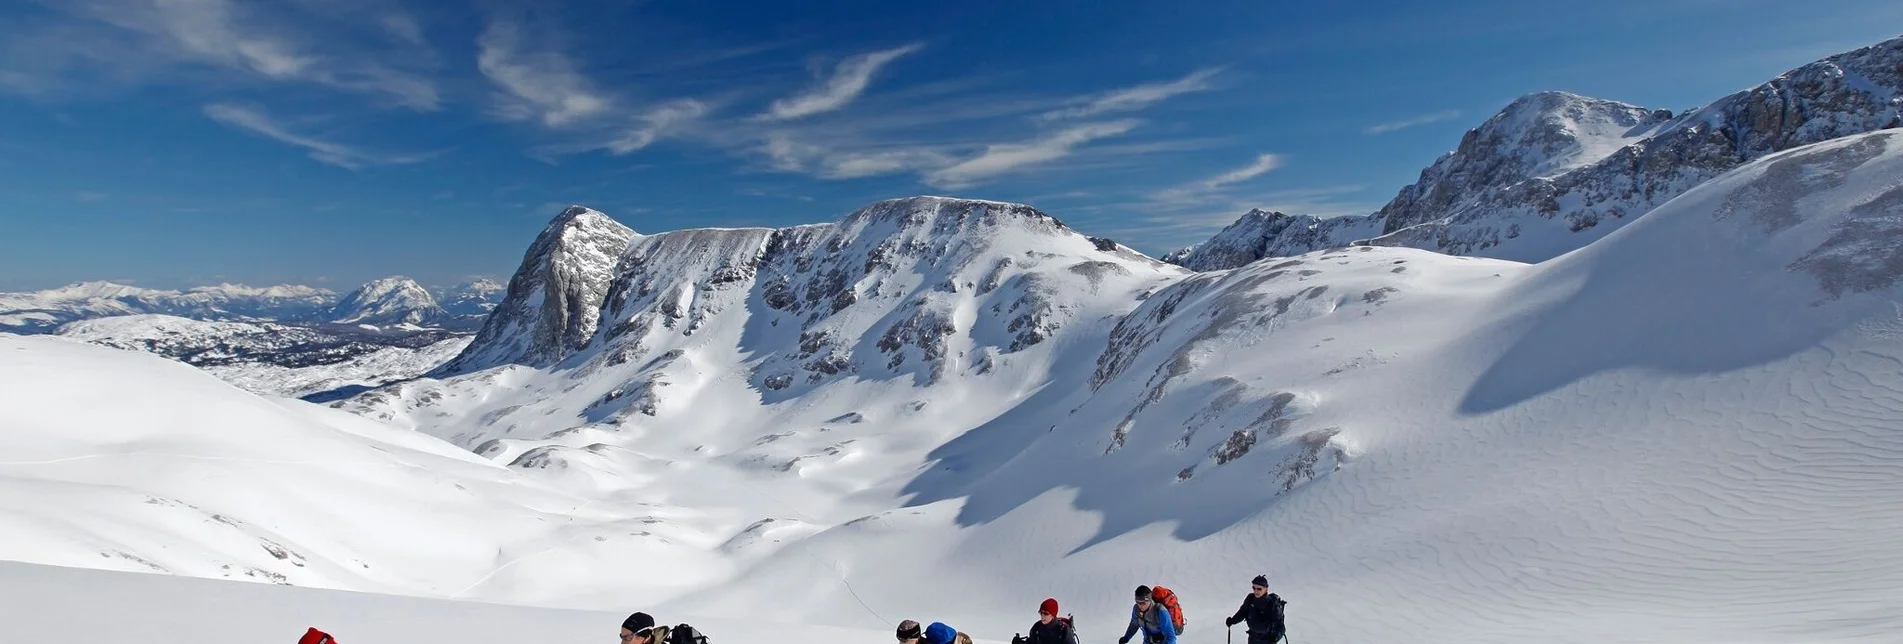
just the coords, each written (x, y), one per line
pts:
(1048, 607)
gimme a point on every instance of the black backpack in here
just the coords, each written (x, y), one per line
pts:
(1070, 629)
(684, 634)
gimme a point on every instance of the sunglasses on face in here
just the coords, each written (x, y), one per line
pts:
(1261, 588)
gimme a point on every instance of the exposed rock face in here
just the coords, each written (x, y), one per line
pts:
(1553, 171)
(1260, 233)
(554, 299)
(1540, 135)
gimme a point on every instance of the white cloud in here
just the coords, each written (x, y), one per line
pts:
(848, 81)
(542, 85)
(656, 123)
(1138, 97)
(1403, 124)
(1262, 164)
(404, 28)
(1214, 188)
(788, 153)
(337, 154)
(1003, 157)
(222, 33)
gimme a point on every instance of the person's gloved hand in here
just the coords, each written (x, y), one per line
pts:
(1123, 640)
(1228, 621)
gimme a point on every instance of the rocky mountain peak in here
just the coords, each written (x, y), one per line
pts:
(553, 300)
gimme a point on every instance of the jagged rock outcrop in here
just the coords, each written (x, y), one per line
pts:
(1537, 136)
(1260, 233)
(554, 299)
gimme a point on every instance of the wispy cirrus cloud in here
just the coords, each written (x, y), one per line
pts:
(547, 87)
(656, 122)
(256, 121)
(1263, 163)
(998, 158)
(537, 85)
(788, 152)
(1424, 119)
(849, 79)
(92, 35)
(1213, 188)
(1137, 97)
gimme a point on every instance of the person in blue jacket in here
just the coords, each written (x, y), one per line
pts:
(1152, 618)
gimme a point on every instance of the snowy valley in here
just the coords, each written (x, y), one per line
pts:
(285, 340)
(1679, 423)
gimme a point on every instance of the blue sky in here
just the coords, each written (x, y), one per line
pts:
(331, 141)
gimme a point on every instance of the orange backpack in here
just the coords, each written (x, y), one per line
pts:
(1167, 598)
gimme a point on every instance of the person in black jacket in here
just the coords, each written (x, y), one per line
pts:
(1048, 629)
(1263, 611)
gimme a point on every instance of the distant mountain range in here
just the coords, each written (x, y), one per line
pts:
(383, 302)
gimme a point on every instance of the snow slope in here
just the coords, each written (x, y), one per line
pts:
(52, 604)
(127, 461)
(1683, 432)
(276, 359)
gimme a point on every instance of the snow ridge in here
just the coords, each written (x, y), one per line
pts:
(1554, 171)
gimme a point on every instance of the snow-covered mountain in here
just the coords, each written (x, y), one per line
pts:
(277, 359)
(389, 301)
(949, 409)
(44, 311)
(475, 298)
(1554, 171)
(998, 402)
